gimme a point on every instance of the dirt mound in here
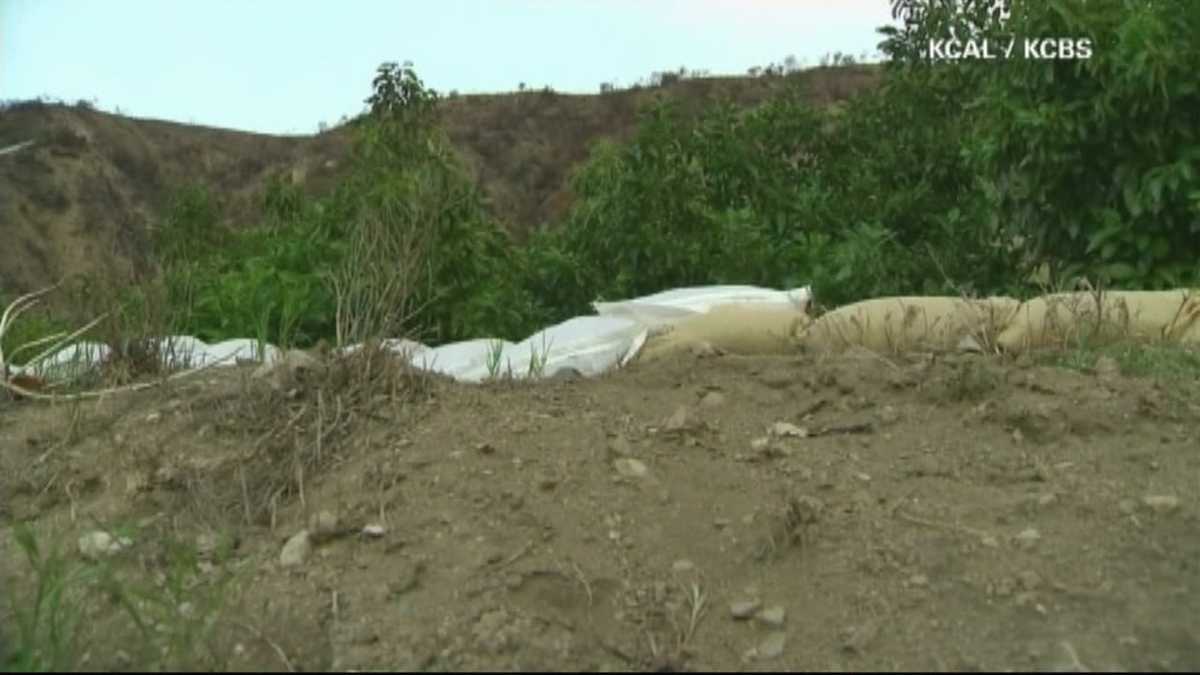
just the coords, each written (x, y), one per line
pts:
(694, 512)
(85, 193)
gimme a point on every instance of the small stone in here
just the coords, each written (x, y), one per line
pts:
(918, 581)
(680, 566)
(786, 429)
(856, 640)
(772, 647)
(744, 609)
(1161, 503)
(322, 525)
(712, 399)
(1047, 499)
(1028, 538)
(296, 550)
(772, 616)
(1029, 580)
(679, 420)
(630, 468)
(889, 415)
(97, 544)
(619, 446)
(485, 448)
(722, 523)
(153, 417)
(373, 531)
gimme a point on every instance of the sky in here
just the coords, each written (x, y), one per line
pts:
(285, 66)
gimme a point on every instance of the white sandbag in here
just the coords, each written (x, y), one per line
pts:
(68, 362)
(467, 360)
(229, 352)
(669, 307)
(589, 344)
(183, 351)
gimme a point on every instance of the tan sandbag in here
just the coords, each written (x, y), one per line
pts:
(1066, 319)
(734, 329)
(898, 324)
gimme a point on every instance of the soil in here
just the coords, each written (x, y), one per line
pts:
(913, 513)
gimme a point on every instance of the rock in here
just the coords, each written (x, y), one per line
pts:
(786, 429)
(322, 526)
(296, 550)
(679, 420)
(567, 374)
(373, 531)
(619, 446)
(744, 609)
(772, 616)
(703, 349)
(856, 640)
(889, 415)
(98, 544)
(630, 468)
(1029, 580)
(772, 647)
(712, 399)
(1161, 503)
(680, 566)
(969, 345)
(1028, 538)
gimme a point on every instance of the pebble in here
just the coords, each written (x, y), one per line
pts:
(619, 446)
(296, 550)
(322, 525)
(1161, 503)
(785, 429)
(97, 544)
(1028, 538)
(744, 609)
(683, 566)
(373, 531)
(679, 420)
(713, 399)
(630, 468)
(772, 647)
(772, 616)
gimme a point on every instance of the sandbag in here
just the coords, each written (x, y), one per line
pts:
(734, 329)
(897, 324)
(662, 310)
(1065, 319)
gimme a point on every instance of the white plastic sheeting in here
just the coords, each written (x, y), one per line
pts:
(590, 345)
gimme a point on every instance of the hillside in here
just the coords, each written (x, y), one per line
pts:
(85, 194)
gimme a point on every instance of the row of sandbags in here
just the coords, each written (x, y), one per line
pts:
(898, 324)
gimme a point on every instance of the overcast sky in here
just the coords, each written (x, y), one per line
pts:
(283, 66)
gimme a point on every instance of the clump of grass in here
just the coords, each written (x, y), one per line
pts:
(47, 621)
(1167, 362)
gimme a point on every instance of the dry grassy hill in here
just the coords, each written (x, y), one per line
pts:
(85, 194)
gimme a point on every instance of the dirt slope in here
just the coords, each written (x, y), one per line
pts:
(958, 513)
(84, 195)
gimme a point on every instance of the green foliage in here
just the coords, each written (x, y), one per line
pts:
(1100, 157)
(950, 177)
